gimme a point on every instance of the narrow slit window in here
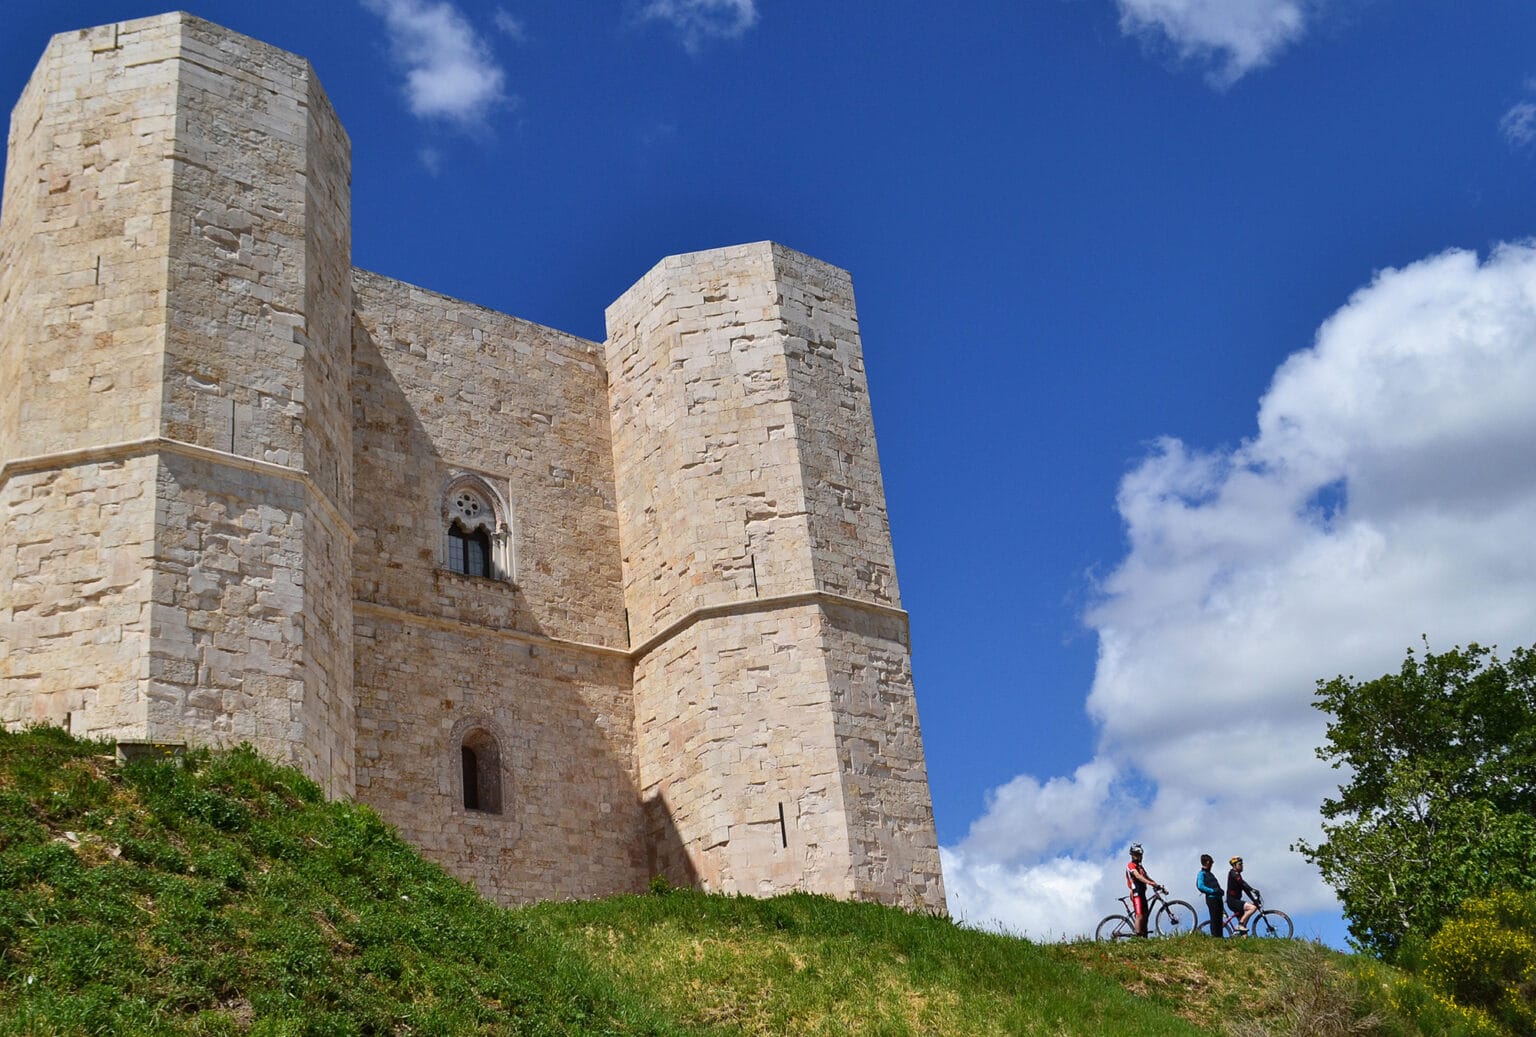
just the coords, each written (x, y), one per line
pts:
(480, 769)
(471, 778)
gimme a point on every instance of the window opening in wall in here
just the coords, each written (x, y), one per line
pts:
(477, 538)
(471, 778)
(469, 550)
(480, 760)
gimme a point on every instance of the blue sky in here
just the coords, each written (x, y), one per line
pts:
(1201, 337)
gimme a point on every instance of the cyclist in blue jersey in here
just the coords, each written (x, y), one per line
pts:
(1206, 883)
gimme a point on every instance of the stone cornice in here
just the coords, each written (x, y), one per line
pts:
(157, 445)
(733, 608)
(160, 445)
(771, 604)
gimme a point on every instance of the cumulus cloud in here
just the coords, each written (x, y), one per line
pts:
(450, 73)
(1237, 35)
(698, 21)
(1389, 492)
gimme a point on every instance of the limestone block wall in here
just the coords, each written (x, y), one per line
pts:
(712, 503)
(179, 302)
(850, 533)
(257, 361)
(442, 387)
(75, 544)
(569, 823)
(260, 265)
(227, 664)
(84, 234)
(894, 852)
(737, 754)
(751, 513)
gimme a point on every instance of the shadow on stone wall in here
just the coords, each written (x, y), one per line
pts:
(439, 647)
(400, 476)
(666, 855)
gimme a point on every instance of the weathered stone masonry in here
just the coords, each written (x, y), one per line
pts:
(569, 614)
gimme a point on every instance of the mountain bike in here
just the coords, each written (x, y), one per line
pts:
(1168, 918)
(1267, 921)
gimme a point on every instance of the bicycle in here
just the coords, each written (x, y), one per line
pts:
(1168, 918)
(1266, 922)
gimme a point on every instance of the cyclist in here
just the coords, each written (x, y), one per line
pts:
(1206, 883)
(1137, 879)
(1236, 887)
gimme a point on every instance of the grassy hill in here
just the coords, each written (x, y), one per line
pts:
(223, 895)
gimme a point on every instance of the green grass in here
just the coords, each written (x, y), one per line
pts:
(222, 895)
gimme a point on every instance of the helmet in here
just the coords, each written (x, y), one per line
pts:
(1135, 849)
(1235, 861)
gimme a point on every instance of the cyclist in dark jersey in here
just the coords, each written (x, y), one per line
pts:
(1138, 880)
(1236, 887)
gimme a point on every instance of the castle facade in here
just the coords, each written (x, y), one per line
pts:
(569, 614)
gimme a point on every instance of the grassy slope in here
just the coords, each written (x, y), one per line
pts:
(224, 896)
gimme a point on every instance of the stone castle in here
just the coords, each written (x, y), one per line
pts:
(569, 614)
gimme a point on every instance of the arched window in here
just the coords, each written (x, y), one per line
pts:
(469, 550)
(477, 540)
(480, 760)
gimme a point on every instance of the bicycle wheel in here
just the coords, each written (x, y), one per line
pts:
(1175, 918)
(1271, 922)
(1115, 927)
(1203, 928)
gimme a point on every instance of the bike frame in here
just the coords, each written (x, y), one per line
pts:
(1275, 920)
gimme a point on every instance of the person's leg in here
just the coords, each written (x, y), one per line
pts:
(1139, 907)
(1213, 908)
(1242, 919)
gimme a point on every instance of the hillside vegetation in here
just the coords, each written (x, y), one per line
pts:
(222, 895)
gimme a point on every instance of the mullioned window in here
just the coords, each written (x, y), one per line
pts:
(477, 534)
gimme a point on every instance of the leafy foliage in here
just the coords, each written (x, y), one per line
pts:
(1484, 957)
(1440, 800)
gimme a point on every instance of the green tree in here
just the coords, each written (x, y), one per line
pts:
(1439, 801)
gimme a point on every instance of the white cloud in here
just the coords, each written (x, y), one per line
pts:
(1519, 124)
(510, 24)
(449, 71)
(1239, 35)
(699, 20)
(1390, 492)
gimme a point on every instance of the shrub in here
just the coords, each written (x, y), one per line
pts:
(1484, 958)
